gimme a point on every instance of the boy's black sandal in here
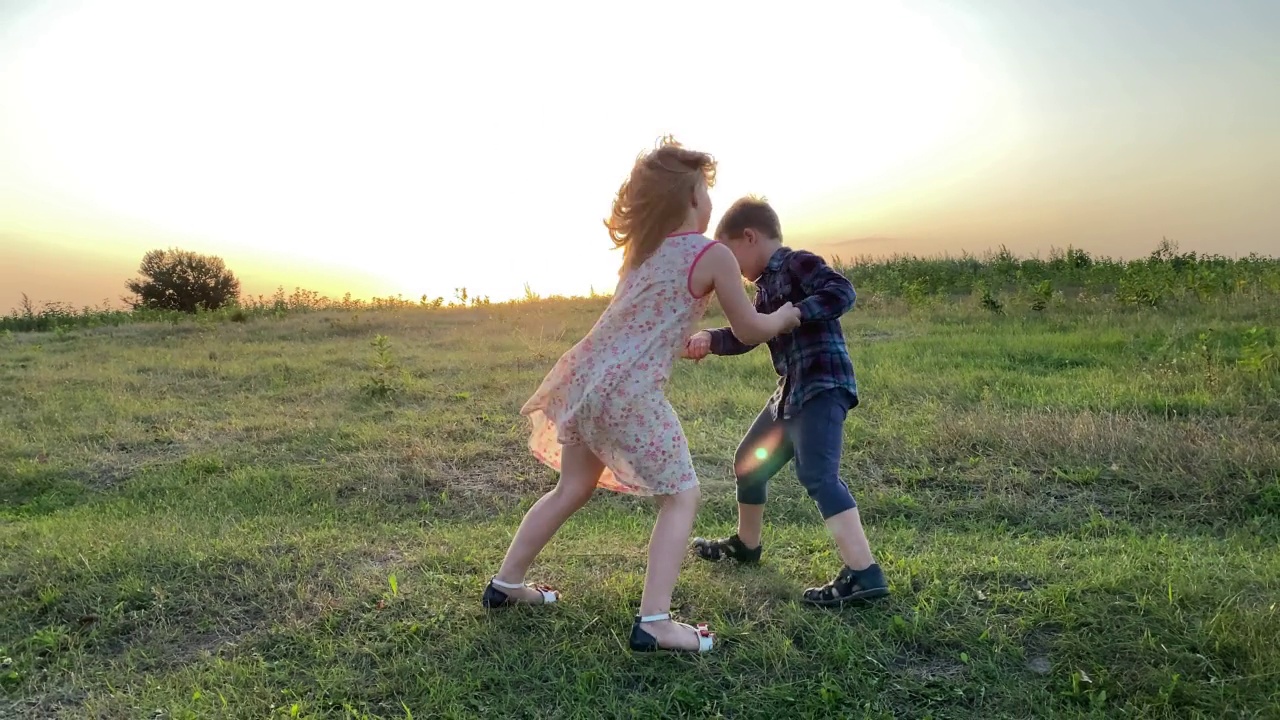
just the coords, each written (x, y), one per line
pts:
(849, 586)
(731, 548)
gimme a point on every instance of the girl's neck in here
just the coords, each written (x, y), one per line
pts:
(689, 227)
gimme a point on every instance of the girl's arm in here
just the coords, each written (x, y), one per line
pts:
(717, 271)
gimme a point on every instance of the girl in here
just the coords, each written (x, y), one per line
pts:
(601, 418)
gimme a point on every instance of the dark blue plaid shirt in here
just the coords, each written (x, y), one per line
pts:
(813, 358)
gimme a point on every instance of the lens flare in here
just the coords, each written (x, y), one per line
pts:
(762, 454)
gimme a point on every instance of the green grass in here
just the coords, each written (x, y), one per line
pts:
(1078, 510)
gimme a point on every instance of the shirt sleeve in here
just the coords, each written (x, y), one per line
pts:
(724, 342)
(828, 294)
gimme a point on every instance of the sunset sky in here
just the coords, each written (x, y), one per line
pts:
(416, 147)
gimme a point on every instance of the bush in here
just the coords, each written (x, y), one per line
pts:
(184, 281)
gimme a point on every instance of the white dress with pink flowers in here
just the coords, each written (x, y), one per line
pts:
(606, 393)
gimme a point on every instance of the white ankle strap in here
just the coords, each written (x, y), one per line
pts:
(506, 586)
(655, 618)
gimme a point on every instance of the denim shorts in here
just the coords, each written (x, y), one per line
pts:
(813, 437)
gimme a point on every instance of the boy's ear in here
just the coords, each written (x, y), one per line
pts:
(750, 235)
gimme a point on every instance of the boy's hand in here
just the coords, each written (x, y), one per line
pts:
(787, 317)
(697, 346)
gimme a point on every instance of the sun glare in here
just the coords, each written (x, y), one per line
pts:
(442, 148)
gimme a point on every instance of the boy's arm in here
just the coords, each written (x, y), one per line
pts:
(829, 294)
(724, 342)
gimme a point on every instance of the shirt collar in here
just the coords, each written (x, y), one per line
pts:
(776, 260)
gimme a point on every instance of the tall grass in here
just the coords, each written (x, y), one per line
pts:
(52, 316)
(1166, 275)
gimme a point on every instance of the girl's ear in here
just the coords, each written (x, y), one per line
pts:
(693, 197)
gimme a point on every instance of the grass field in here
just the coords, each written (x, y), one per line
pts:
(294, 516)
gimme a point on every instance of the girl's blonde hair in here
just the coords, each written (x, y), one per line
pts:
(654, 200)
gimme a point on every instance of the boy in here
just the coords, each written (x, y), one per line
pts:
(804, 420)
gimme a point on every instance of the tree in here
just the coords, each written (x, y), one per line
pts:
(182, 280)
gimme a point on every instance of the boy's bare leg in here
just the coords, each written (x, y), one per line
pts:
(851, 539)
(750, 524)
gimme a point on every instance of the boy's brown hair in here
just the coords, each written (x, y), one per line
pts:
(749, 212)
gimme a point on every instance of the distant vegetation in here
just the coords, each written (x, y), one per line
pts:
(52, 316)
(183, 281)
(1165, 276)
(998, 282)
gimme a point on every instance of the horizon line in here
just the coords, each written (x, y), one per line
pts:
(530, 294)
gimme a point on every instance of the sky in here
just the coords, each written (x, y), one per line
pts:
(419, 147)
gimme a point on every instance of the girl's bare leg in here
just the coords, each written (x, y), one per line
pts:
(666, 552)
(580, 470)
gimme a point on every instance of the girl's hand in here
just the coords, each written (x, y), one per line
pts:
(787, 317)
(697, 346)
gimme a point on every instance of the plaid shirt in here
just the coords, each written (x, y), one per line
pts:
(813, 358)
